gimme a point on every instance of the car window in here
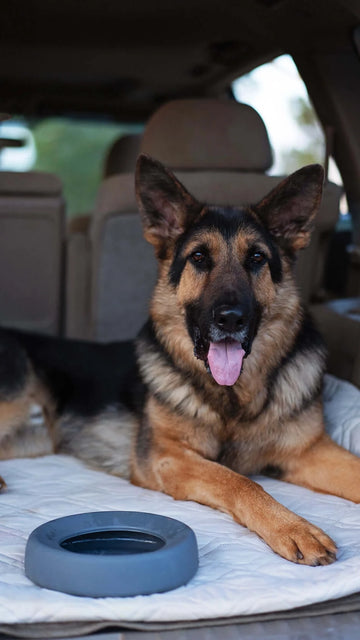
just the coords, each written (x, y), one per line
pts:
(279, 95)
(277, 92)
(74, 150)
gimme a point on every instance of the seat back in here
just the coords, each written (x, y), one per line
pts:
(31, 251)
(90, 248)
(311, 261)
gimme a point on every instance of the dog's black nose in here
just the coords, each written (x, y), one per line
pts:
(229, 319)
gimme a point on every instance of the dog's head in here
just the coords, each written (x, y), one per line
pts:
(224, 264)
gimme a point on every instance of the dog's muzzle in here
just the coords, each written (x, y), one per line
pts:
(226, 351)
(224, 343)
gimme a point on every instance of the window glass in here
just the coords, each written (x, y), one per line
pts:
(279, 95)
(74, 150)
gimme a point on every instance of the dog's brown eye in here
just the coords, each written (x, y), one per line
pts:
(201, 259)
(198, 257)
(257, 257)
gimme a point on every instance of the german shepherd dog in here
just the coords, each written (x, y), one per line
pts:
(228, 376)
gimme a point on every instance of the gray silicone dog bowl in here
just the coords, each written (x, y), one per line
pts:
(111, 553)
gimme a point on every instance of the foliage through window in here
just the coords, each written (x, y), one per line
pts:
(279, 95)
(74, 150)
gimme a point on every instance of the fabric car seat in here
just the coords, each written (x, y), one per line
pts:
(32, 218)
(122, 154)
(120, 158)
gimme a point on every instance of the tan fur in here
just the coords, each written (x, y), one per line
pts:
(181, 465)
(31, 428)
(20, 435)
(104, 442)
(326, 467)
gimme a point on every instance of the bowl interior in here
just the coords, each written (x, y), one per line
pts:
(112, 542)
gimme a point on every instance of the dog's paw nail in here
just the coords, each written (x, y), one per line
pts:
(299, 555)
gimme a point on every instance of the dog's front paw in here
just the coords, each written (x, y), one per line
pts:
(303, 543)
(2, 484)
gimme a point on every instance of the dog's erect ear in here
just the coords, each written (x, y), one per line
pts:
(289, 210)
(165, 206)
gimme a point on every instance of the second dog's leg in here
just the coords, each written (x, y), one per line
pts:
(19, 392)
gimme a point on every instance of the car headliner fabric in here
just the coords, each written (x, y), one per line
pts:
(238, 575)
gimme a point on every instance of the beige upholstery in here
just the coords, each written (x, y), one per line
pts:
(78, 261)
(122, 155)
(311, 262)
(339, 322)
(31, 251)
(208, 134)
(220, 151)
(84, 238)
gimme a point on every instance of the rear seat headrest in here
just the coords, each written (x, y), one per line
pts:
(29, 183)
(208, 134)
(122, 155)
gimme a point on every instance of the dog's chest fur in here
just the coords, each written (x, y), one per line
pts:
(241, 426)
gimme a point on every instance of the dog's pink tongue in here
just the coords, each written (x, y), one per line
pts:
(225, 361)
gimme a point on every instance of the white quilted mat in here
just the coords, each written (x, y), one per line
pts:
(238, 573)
